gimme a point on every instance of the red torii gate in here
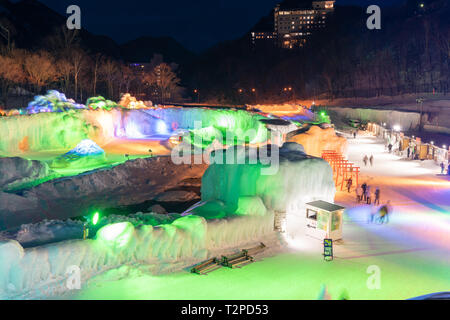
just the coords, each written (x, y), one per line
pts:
(341, 167)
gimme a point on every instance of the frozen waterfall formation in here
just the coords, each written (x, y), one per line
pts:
(281, 187)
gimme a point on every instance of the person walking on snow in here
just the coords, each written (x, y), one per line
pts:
(368, 195)
(359, 194)
(349, 184)
(384, 212)
(371, 160)
(365, 159)
(377, 197)
(364, 188)
(442, 167)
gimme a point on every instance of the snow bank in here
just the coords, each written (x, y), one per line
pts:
(16, 170)
(132, 182)
(45, 271)
(315, 140)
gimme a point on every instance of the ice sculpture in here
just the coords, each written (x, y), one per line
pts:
(86, 154)
(100, 102)
(129, 102)
(53, 101)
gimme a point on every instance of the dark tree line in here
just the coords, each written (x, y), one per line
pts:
(410, 54)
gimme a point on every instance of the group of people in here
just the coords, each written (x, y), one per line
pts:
(366, 159)
(443, 168)
(411, 153)
(364, 194)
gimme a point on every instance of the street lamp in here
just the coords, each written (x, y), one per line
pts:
(198, 95)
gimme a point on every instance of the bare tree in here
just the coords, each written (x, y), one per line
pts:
(77, 59)
(127, 77)
(11, 72)
(97, 59)
(40, 69)
(63, 40)
(64, 68)
(109, 72)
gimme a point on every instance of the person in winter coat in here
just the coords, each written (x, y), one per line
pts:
(371, 160)
(442, 167)
(377, 197)
(349, 184)
(359, 194)
(365, 159)
(384, 212)
(368, 195)
(364, 188)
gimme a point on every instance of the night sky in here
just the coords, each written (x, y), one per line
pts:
(196, 24)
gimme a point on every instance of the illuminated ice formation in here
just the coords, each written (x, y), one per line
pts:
(95, 103)
(53, 101)
(129, 102)
(286, 184)
(85, 148)
(86, 153)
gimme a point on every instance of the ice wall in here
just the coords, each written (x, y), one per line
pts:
(43, 131)
(224, 120)
(44, 271)
(407, 120)
(62, 131)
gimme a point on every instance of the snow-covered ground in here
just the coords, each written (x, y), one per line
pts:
(411, 253)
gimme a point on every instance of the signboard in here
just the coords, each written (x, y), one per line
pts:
(328, 249)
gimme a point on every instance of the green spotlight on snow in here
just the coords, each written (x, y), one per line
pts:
(116, 235)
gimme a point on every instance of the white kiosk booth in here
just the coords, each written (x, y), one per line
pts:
(324, 220)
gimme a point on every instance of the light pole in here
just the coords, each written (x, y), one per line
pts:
(198, 95)
(421, 122)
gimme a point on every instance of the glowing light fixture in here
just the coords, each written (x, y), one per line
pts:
(397, 128)
(95, 218)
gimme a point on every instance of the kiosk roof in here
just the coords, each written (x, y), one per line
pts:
(331, 207)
